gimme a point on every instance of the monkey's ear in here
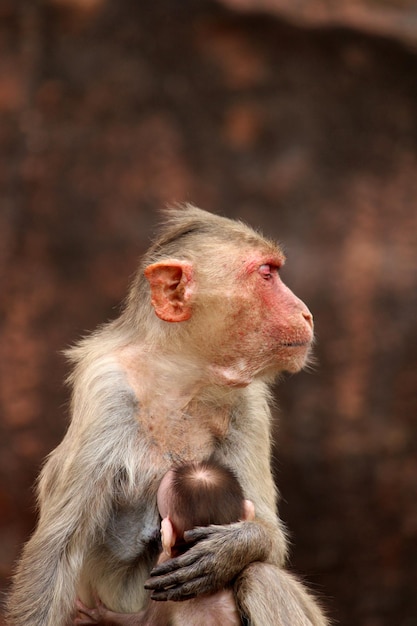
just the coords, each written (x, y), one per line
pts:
(172, 286)
(168, 537)
(249, 510)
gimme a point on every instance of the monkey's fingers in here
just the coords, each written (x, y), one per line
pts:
(85, 615)
(202, 532)
(173, 565)
(84, 610)
(174, 579)
(216, 532)
(181, 576)
(183, 592)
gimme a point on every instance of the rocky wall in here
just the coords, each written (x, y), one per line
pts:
(108, 111)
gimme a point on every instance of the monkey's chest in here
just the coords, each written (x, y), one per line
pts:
(185, 437)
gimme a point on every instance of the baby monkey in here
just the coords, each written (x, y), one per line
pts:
(189, 495)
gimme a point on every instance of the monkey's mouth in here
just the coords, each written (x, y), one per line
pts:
(296, 344)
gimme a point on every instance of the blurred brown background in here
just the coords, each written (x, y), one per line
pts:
(301, 120)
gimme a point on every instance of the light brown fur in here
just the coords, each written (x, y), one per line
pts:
(188, 495)
(148, 392)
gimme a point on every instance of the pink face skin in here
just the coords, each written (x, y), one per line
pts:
(270, 329)
(291, 323)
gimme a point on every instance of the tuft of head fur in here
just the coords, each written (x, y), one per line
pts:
(203, 493)
(184, 222)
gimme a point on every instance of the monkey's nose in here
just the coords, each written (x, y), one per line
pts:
(308, 317)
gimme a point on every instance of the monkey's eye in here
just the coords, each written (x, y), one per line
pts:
(267, 271)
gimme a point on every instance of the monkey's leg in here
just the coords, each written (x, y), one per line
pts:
(269, 596)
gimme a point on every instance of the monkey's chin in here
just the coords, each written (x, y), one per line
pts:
(294, 357)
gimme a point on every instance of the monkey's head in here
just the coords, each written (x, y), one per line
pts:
(216, 291)
(199, 494)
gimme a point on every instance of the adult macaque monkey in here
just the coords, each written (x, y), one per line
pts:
(182, 374)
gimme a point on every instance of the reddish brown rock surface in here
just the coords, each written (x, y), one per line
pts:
(110, 110)
(394, 18)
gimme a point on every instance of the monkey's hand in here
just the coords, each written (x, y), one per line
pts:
(101, 615)
(85, 615)
(220, 553)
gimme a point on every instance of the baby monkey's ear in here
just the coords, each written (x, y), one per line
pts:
(168, 536)
(248, 510)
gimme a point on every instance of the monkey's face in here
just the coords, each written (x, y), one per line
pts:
(262, 327)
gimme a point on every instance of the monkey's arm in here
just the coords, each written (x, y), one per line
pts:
(44, 585)
(220, 554)
(76, 493)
